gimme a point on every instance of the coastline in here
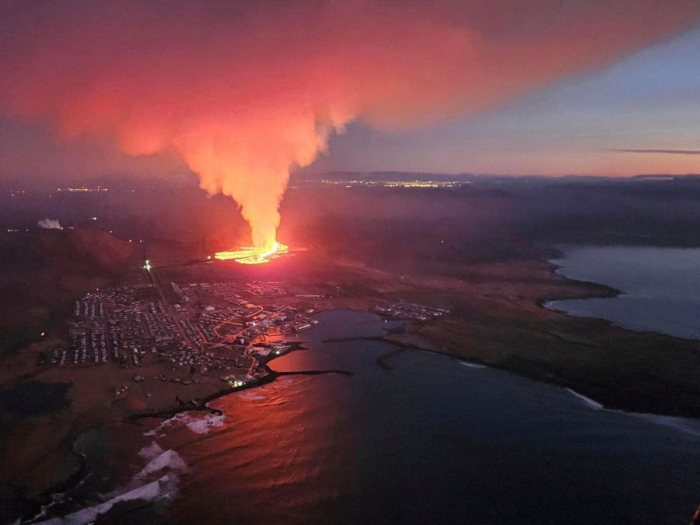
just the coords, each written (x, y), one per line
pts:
(578, 332)
(132, 494)
(596, 290)
(608, 292)
(677, 422)
(401, 344)
(38, 505)
(498, 320)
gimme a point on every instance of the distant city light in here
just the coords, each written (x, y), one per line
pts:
(396, 184)
(83, 190)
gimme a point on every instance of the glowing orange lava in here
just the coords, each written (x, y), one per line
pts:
(252, 255)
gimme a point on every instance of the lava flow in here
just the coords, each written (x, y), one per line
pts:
(251, 255)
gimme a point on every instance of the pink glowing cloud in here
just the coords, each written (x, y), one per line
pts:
(246, 91)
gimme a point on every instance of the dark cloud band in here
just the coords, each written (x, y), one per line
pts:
(661, 151)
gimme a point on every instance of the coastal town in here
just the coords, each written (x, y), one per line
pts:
(160, 335)
(409, 311)
(199, 331)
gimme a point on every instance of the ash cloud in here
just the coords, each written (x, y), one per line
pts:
(244, 92)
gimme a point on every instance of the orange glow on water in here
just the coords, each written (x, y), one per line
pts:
(251, 255)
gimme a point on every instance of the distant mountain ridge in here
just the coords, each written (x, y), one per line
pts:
(396, 176)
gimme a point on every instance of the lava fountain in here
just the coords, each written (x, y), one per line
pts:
(245, 91)
(251, 255)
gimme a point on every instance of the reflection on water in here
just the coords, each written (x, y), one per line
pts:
(430, 441)
(660, 287)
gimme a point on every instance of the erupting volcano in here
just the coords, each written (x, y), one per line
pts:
(243, 92)
(252, 255)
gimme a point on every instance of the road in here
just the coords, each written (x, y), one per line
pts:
(170, 309)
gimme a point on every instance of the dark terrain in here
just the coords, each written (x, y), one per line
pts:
(480, 250)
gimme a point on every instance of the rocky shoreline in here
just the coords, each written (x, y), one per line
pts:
(36, 507)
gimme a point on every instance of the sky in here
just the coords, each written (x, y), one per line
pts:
(635, 114)
(648, 101)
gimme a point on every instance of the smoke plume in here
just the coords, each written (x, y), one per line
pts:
(49, 224)
(245, 91)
